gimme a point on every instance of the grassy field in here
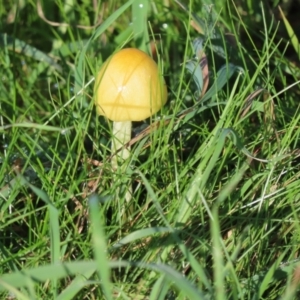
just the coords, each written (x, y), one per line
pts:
(215, 200)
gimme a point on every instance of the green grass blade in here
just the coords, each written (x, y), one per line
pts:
(139, 23)
(75, 286)
(291, 33)
(160, 289)
(217, 254)
(99, 246)
(47, 272)
(139, 234)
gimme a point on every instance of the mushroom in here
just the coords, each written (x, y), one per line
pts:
(129, 87)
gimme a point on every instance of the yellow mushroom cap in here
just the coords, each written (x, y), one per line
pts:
(129, 87)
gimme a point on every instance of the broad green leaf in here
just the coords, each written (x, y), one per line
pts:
(222, 77)
(195, 69)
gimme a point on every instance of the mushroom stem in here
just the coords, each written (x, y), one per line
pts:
(121, 136)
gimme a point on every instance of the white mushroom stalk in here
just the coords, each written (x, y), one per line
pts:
(121, 136)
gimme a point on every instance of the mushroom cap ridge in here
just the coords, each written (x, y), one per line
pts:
(129, 87)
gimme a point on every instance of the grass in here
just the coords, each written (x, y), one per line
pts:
(215, 174)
